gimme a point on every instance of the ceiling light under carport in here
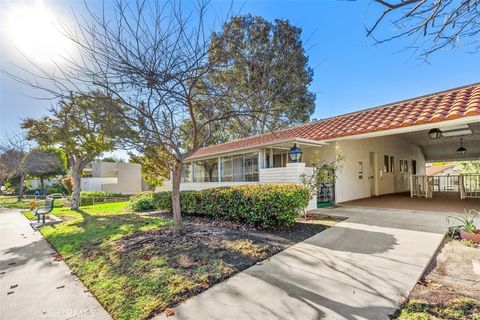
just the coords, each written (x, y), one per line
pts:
(461, 150)
(435, 133)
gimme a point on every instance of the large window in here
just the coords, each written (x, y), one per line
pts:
(205, 171)
(251, 167)
(239, 168)
(226, 169)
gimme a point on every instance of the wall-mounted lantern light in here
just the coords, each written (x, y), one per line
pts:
(435, 133)
(461, 150)
(295, 153)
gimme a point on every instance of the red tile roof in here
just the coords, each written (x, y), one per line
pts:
(437, 107)
(433, 170)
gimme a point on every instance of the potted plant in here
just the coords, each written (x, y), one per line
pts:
(467, 228)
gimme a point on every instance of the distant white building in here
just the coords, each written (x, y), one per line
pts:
(117, 177)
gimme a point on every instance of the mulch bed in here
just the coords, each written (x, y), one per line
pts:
(206, 242)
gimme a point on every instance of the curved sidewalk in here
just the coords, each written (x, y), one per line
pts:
(362, 268)
(32, 284)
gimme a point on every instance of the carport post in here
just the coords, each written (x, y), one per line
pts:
(411, 185)
(461, 184)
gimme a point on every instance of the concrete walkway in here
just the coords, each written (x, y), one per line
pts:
(32, 284)
(362, 268)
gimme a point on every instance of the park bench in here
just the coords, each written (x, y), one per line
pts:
(44, 210)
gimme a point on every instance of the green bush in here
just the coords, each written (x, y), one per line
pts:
(265, 206)
(142, 201)
(56, 188)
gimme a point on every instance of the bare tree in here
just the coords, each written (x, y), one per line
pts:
(154, 58)
(435, 24)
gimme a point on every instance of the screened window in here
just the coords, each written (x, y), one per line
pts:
(251, 167)
(226, 169)
(239, 168)
(205, 171)
(187, 168)
(414, 166)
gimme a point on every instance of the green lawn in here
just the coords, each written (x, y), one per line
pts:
(137, 266)
(128, 287)
(13, 203)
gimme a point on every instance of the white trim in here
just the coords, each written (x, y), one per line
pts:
(302, 141)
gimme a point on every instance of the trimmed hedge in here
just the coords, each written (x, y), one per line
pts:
(262, 205)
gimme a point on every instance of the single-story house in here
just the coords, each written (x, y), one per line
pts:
(116, 177)
(381, 147)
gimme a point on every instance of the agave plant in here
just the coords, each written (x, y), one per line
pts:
(467, 222)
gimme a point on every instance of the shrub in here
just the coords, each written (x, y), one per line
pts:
(56, 188)
(142, 201)
(67, 182)
(265, 206)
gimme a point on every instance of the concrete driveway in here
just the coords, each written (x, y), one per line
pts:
(32, 284)
(362, 268)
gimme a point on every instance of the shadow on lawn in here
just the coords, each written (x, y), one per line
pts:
(136, 282)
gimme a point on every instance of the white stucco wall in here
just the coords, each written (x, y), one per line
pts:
(350, 187)
(129, 179)
(95, 184)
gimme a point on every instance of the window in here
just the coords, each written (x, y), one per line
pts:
(386, 165)
(414, 166)
(205, 171)
(403, 166)
(239, 168)
(226, 169)
(360, 170)
(251, 167)
(238, 172)
(187, 167)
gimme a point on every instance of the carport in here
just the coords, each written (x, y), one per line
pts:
(445, 141)
(440, 203)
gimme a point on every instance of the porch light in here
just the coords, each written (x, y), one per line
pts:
(461, 150)
(435, 133)
(295, 153)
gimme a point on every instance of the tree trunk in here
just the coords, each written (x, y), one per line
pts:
(21, 187)
(42, 184)
(177, 214)
(76, 175)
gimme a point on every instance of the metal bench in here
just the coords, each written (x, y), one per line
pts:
(44, 210)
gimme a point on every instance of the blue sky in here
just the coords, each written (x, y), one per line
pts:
(350, 73)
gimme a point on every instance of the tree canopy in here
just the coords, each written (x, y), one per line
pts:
(266, 67)
(84, 127)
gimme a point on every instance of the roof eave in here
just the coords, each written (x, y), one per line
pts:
(302, 141)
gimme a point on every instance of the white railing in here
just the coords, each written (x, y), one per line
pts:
(470, 186)
(467, 185)
(420, 186)
(290, 174)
